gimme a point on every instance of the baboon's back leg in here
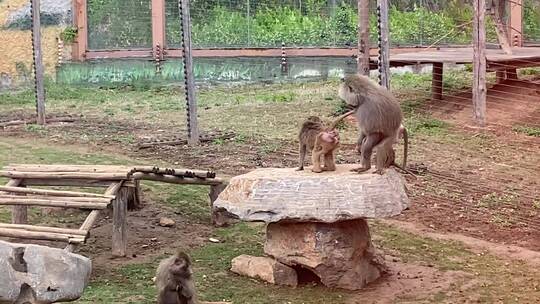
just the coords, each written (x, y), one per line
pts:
(329, 161)
(302, 157)
(369, 143)
(316, 160)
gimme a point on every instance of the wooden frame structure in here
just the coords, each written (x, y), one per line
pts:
(122, 193)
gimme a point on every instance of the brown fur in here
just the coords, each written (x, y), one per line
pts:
(321, 140)
(379, 119)
(174, 280)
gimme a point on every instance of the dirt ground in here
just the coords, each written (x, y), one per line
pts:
(487, 191)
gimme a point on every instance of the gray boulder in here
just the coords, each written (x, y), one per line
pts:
(39, 274)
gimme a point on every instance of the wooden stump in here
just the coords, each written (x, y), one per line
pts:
(19, 214)
(119, 233)
(437, 81)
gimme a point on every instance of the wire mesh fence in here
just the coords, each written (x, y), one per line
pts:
(270, 24)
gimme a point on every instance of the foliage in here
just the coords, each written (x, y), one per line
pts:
(531, 20)
(68, 34)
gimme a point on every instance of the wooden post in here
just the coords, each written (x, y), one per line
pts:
(384, 43)
(158, 28)
(119, 233)
(80, 21)
(363, 37)
(38, 62)
(437, 81)
(479, 62)
(215, 190)
(500, 75)
(497, 10)
(19, 214)
(192, 125)
(516, 23)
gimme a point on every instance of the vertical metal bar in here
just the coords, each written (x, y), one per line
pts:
(384, 43)
(38, 62)
(363, 37)
(189, 81)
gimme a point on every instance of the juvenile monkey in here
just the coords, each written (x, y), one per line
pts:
(174, 280)
(379, 118)
(321, 140)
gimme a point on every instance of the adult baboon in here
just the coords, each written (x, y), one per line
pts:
(174, 280)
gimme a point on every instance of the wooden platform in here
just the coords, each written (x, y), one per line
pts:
(122, 193)
(497, 61)
(528, 56)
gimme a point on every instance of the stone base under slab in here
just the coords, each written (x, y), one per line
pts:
(340, 254)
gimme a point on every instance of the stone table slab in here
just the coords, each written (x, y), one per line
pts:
(286, 195)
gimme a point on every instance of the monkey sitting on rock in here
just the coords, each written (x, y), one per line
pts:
(379, 120)
(174, 280)
(322, 141)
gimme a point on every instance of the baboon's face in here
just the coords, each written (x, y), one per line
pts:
(347, 95)
(180, 267)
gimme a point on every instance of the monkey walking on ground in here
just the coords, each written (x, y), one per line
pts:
(321, 140)
(174, 280)
(379, 120)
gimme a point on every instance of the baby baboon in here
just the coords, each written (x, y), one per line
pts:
(321, 140)
(174, 280)
(379, 118)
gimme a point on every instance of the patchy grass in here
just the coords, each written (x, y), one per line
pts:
(527, 130)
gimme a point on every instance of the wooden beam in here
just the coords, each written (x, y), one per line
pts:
(112, 190)
(19, 214)
(158, 28)
(67, 168)
(500, 75)
(71, 182)
(437, 81)
(64, 175)
(40, 235)
(497, 10)
(192, 121)
(479, 91)
(176, 180)
(80, 21)
(51, 203)
(516, 23)
(363, 37)
(46, 192)
(384, 43)
(119, 233)
(45, 229)
(215, 190)
(38, 62)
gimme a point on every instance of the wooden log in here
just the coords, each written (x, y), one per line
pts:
(500, 29)
(500, 75)
(175, 172)
(516, 23)
(51, 203)
(67, 168)
(59, 198)
(176, 180)
(38, 235)
(66, 231)
(19, 214)
(46, 192)
(112, 190)
(119, 233)
(81, 22)
(215, 190)
(363, 37)
(479, 90)
(72, 182)
(437, 81)
(62, 175)
(39, 69)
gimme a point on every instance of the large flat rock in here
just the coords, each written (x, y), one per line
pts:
(39, 274)
(274, 195)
